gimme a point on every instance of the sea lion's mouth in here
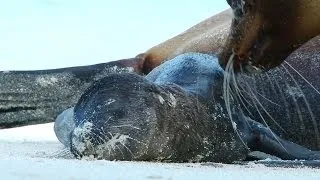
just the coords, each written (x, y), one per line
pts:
(256, 59)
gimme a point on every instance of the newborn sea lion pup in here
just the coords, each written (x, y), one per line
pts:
(176, 114)
(158, 118)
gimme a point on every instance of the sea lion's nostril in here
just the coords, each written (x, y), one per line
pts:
(242, 57)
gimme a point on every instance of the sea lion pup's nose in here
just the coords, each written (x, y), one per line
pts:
(114, 117)
(64, 125)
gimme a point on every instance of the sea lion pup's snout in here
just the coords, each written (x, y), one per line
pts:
(112, 118)
(264, 32)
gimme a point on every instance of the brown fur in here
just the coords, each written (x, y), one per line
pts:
(206, 37)
(265, 34)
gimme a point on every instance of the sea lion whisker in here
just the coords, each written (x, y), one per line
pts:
(280, 91)
(267, 99)
(251, 94)
(60, 153)
(295, 102)
(112, 144)
(102, 129)
(267, 126)
(243, 102)
(127, 149)
(313, 120)
(239, 93)
(255, 99)
(96, 132)
(125, 125)
(273, 89)
(101, 138)
(110, 135)
(90, 144)
(227, 96)
(120, 150)
(296, 71)
(107, 120)
(129, 137)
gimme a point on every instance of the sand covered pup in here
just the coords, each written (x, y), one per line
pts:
(177, 113)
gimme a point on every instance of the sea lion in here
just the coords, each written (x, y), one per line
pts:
(264, 32)
(175, 114)
(129, 117)
(287, 97)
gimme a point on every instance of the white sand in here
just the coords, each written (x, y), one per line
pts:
(26, 153)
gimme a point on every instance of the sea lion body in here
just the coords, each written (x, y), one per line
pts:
(290, 95)
(176, 114)
(161, 117)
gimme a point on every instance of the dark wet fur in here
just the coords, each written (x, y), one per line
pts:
(195, 126)
(291, 100)
(183, 127)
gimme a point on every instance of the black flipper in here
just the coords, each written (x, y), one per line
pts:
(34, 97)
(264, 140)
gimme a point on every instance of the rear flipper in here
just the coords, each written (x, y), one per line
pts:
(264, 140)
(33, 97)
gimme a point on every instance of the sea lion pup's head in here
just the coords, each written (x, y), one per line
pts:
(127, 117)
(264, 32)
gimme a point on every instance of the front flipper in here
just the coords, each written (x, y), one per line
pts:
(264, 140)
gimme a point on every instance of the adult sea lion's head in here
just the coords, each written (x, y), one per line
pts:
(264, 32)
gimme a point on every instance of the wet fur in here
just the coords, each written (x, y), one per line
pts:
(170, 118)
(288, 96)
(188, 122)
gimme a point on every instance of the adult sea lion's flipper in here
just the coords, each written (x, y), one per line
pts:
(264, 140)
(34, 97)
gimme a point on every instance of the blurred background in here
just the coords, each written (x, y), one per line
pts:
(43, 34)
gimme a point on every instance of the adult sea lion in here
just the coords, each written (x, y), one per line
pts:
(260, 33)
(264, 32)
(176, 114)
